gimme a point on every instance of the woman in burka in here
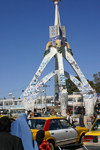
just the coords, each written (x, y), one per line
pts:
(21, 129)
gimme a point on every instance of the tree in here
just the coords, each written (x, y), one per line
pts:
(92, 84)
(96, 78)
(97, 82)
(71, 87)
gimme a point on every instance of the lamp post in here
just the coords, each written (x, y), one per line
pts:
(13, 104)
(45, 86)
(73, 103)
(41, 99)
(10, 95)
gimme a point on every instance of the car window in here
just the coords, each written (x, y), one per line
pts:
(64, 123)
(36, 123)
(96, 126)
(57, 124)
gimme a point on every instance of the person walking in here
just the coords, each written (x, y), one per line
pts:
(8, 141)
(29, 113)
(21, 129)
(81, 119)
(42, 144)
(69, 118)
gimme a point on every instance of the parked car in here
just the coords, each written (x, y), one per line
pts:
(92, 138)
(58, 131)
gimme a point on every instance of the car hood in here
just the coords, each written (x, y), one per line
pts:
(82, 129)
(94, 133)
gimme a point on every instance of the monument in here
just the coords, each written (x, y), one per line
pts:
(59, 48)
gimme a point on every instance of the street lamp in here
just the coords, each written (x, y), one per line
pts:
(10, 95)
(13, 103)
(41, 99)
(73, 103)
(45, 86)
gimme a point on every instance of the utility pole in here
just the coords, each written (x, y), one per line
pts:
(13, 104)
(10, 95)
(45, 86)
(41, 99)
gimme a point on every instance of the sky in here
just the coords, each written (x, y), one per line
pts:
(24, 33)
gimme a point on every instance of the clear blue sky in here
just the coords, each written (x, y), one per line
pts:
(24, 32)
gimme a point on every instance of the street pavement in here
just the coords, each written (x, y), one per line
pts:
(74, 149)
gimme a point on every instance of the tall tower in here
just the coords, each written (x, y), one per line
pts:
(59, 48)
(57, 33)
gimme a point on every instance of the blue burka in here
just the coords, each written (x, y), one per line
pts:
(21, 129)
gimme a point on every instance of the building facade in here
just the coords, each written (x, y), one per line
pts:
(74, 100)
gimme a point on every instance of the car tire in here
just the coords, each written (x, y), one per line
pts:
(52, 146)
(81, 139)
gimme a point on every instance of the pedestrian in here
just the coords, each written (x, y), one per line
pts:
(8, 141)
(81, 119)
(29, 114)
(21, 129)
(94, 117)
(32, 115)
(52, 113)
(42, 144)
(69, 118)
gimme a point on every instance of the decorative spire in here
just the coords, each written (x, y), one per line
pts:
(57, 16)
(56, 1)
(57, 32)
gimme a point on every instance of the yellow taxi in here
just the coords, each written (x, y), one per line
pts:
(58, 131)
(92, 138)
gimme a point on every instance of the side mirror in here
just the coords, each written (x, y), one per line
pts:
(95, 128)
(73, 124)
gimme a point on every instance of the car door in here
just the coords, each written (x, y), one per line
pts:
(61, 131)
(71, 135)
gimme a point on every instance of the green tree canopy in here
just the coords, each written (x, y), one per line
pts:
(71, 87)
(97, 82)
(96, 77)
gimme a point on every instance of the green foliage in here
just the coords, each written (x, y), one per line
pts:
(92, 84)
(97, 87)
(71, 87)
(96, 77)
(97, 82)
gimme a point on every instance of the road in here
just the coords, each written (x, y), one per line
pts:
(72, 148)
(85, 148)
(75, 149)
(79, 147)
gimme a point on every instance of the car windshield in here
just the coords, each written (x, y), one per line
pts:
(96, 126)
(36, 123)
